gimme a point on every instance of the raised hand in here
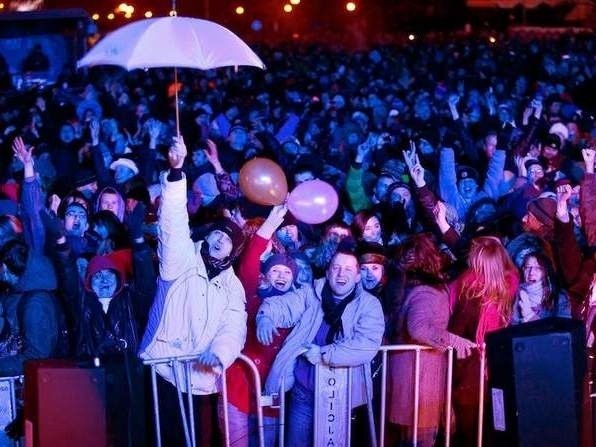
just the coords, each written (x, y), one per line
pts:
(212, 155)
(177, 152)
(94, 130)
(20, 150)
(563, 194)
(414, 165)
(589, 155)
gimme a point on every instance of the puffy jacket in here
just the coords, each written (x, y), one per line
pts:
(363, 325)
(30, 317)
(191, 313)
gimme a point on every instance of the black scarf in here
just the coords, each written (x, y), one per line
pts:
(333, 312)
(213, 265)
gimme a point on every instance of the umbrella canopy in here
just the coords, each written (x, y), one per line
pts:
(171, 42)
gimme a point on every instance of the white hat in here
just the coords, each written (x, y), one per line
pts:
(560, 130)
(126, 162)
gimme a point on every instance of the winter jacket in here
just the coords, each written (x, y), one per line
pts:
(30, 317)
(100, 333)
(448, 181)
(363, 325)
(240, 379)
(191, 313)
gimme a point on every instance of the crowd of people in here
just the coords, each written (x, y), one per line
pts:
(465, 174)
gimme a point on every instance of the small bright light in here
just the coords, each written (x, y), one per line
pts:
(122, 7)
(287, 7)
(295, 2)
(1, 5)
(411, 36)
(295, 36)
(148, 14)
(127, 15)
(351, 6)
(95, 16)
(110, 16)
(239, 10)
(130, 9)
(491, 39)
(173, 13)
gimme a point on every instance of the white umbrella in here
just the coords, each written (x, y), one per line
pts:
(171, 42)
(178, 42)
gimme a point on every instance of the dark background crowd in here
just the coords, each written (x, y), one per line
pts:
(457, 160)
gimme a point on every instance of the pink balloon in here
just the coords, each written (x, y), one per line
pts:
(313, 202)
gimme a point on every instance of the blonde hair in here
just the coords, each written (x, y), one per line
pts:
(490, 271)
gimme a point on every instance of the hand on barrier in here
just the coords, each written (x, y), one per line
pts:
(208, 358)
(265, 331)
(463, 347)
(313, 354)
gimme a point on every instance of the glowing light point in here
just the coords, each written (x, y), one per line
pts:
(95, 16)
(295, 2)
(239, 10)
(351, 6)
(491, 39)
(287, 7)
(148, 14)
(1, 5)
(173, 13)
(411, 36)
(110, 16)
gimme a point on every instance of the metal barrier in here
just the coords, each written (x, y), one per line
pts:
(8, 401)
(417, 349)
(185, 362)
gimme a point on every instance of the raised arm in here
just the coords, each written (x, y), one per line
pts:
(175, 248)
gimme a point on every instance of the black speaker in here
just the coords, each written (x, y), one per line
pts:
(535, 376)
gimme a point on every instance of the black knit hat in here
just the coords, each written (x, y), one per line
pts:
(280, 259)
(231, 229)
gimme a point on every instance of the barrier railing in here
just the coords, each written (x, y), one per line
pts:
(185, 362)
(177, 363)
(8, 403)
(417, 349)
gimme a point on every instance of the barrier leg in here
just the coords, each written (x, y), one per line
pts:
(369, 406)
(224, 395)
(349, 409)
(191, 409)
(481, 397)
(383, 399)
(178, 383)
(448, 397)
(416, 397)
(155, 406)
(282, 412)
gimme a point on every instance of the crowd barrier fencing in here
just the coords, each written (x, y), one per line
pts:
(8, 405)
(377, 439)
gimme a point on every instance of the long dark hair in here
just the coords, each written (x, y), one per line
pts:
(550, 283)
(422, 261)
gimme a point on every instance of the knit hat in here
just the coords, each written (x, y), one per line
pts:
(531, 162)
(126, 162)
(84, 177)
(371, 253)
(544, 208)
(464, 172)
(279, 259)
(231, 229)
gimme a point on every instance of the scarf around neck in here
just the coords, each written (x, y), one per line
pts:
(213, 265)
(333, 311)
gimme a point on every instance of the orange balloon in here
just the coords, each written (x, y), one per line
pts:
(263, 181)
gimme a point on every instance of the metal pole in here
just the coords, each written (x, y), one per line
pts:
(191, 409)
(155, 405)
(224, 395)
(448, 399)
(369, 407)
(282, 411)
(416, 397)
(258, 391)
(178, 384)
(383, 399)
(349, 409)
(316, 407)
(481, 397)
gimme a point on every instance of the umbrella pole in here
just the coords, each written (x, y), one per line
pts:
(176, 98)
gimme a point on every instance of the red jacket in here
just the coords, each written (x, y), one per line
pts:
(239, 378)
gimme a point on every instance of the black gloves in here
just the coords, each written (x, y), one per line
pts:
(135, 220)
(53, 225)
